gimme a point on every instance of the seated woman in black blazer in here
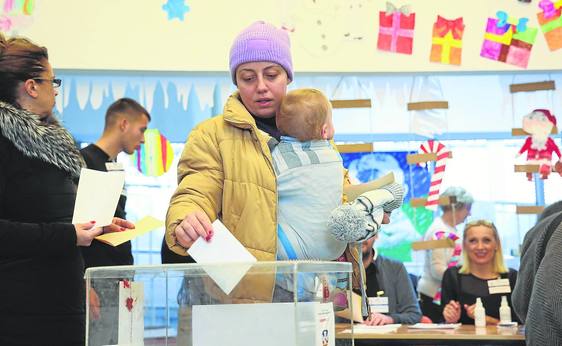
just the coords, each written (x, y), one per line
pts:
(482, 263)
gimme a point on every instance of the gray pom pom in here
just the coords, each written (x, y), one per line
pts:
(397, 190)
(348, 224)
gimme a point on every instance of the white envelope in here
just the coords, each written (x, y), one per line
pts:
(223, 248)
(97, 196)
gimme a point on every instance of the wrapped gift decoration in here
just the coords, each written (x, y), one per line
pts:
(519, 51)
(446, 44)
(550, 20)
(508, 40)
(396, 31)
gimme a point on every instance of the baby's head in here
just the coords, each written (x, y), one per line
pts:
(305, 114)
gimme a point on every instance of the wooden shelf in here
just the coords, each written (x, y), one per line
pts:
(420, 106)
(529, 168)
(537, 86)
(521, 132)
(443, 200)
(529, 209)
(419, 158)
(360, 103)
(433, 244)
(355, 148)
(526, 168)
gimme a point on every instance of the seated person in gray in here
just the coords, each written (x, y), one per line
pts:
(388, 278)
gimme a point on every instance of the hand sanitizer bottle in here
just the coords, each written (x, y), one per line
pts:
(505, 311)
(479, 314)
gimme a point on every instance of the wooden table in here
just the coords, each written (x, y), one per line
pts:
(464, 335)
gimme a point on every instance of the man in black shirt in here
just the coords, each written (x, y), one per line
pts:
(125, 123)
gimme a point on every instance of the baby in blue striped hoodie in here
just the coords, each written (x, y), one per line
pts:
(312, 222)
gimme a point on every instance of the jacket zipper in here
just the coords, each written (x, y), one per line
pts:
(268, 158)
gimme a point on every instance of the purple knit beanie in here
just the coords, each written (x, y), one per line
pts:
(261, 41)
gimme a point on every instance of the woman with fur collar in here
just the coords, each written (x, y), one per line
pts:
(41, 266)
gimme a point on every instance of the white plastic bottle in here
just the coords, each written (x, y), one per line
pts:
(479, 314)
(505, 311)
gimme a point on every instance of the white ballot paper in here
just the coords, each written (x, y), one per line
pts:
(365, 329)
(97, 196)
(435, 326)
(223, 248)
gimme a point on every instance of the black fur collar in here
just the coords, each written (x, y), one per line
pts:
(48, 142)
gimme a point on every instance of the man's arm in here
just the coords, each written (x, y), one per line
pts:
(407, 308)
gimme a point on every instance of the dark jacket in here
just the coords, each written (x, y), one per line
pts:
(544, 319)
(532, 253)
(41, 267)
(462, 287)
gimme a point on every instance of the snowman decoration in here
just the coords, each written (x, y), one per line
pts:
(539, 146)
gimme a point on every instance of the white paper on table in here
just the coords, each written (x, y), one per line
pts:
(97, 196)
(223, 248)
(365, 329)
(435, 326)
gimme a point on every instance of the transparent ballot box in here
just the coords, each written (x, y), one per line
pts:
(263, 303)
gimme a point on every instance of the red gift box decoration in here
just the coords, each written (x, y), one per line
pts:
(396, 30)
(446, 42)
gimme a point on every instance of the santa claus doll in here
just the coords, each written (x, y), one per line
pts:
(539, 146)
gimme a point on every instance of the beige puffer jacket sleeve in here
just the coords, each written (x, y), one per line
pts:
(200, 183)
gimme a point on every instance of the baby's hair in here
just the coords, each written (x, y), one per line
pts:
(302, 114)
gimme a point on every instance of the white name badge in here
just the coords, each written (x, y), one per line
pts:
(114, 166)
(379, 304)
(499, 286)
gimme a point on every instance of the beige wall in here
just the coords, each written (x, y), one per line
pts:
(136, 34)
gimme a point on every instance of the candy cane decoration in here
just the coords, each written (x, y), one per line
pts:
(433, 146)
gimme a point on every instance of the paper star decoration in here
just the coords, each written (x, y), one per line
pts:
(176, 9)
